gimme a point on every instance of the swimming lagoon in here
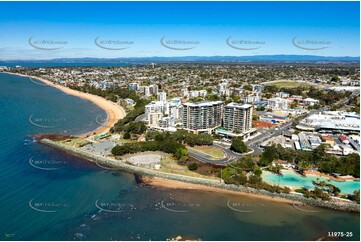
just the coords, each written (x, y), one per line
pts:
(294, 180)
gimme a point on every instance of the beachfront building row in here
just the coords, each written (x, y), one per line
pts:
(200, 117)
(156, 110)
(206, 117)
(145, 90)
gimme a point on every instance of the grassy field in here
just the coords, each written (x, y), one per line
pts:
(215, 152)
(127, 141)
(288, 83)
(169, 165)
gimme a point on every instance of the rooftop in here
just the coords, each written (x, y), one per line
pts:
(203, 103)
(238, 105)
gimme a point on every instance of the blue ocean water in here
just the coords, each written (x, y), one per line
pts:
(46, 194)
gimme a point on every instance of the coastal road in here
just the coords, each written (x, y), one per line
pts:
(230, 156)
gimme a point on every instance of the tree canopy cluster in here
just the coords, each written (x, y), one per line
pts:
(236, 172)
(327, 163)
(133, 128)
(182, 136)
(327, 97)
(167, 146)
(238, 145)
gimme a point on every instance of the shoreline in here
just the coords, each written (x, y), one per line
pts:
(336, 179)
(183, 182)
(173, 184)
(114, 112)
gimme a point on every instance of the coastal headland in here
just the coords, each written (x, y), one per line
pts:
(164, 179)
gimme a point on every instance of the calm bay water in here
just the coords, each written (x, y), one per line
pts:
(46, 194)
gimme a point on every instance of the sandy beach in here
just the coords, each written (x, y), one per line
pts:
(173, 184)
(340, 179)
(114, 111)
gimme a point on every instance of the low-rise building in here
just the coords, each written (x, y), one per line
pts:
(332, 121)
(343, 139)
(277, 103)
(304, 143)
(282, 94)
(327, 140)
(311, 102)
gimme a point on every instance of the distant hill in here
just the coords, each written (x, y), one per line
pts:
(208, 59)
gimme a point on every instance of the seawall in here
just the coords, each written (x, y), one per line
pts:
(333, 204)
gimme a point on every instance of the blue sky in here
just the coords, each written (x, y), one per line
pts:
(252, 28)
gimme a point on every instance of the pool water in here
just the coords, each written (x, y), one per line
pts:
(294, 180)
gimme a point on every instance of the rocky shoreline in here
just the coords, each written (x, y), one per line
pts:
(347, 206)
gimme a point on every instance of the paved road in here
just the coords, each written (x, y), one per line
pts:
(206, 158)
(230, 156)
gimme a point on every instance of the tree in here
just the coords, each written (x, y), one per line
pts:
(181, 154)
(238, 145)
(248, 87)
(260, 108)
(334, 78)
(126, 135)
(357, 196)
(270, 153)
(193, 166)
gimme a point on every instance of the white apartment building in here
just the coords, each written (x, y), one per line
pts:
(203, 116)
(238, 117)
(311, 101)
(154, 89)
(162, 96)
(252, 98)
(200, 93)
(222, 89)
(277, 103)
(184, 92)
(133, 86)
